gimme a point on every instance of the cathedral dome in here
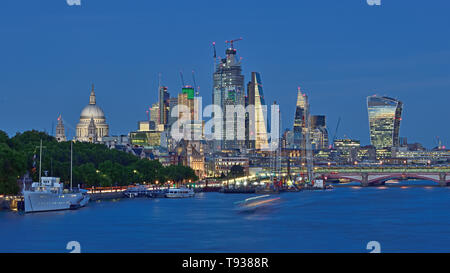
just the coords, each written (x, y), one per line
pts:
(92, 111)
(92, 126)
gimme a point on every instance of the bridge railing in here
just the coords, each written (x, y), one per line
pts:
(383, 170)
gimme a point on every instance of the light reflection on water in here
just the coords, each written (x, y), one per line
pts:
(402, 219)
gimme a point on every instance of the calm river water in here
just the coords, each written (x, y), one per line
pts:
(401, 219)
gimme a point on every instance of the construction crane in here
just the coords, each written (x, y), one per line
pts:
(196, 88)
(182, 79)
(232, 41)
(335, 131)
(215, 55)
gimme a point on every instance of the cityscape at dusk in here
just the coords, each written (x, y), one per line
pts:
(224, 127)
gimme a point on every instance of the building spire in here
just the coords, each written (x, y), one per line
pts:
(92, 97)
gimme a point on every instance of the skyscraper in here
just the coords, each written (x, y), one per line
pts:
(164, 97)
(228, 89)
(154, 114)
(258, 127)
(193, 126)
(299, 120)
(319, 132)
(384, 121)
(172, 103)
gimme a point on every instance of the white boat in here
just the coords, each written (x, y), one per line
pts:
(179, 193)
(49, 195)
(136, 191)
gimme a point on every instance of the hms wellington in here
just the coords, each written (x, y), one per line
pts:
(48, 194)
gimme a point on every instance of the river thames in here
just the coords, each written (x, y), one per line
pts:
(401, 219)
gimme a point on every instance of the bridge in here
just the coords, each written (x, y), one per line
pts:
(367, 176)
(378, 175)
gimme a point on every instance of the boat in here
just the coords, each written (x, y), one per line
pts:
(48, 194)
(158, 193)
(180, 193)
(137, 191)
(257, 202)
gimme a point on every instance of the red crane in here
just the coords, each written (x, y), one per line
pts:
(232, 41)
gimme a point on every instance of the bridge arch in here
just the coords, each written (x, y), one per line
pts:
(404, 176)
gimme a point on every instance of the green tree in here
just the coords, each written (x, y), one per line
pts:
(12, 166)
(93, 164)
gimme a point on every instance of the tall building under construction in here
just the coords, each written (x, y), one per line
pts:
(228, 90)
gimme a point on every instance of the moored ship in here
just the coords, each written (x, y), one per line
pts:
(49, 195)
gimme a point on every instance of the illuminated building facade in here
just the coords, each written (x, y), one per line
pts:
(228, 89)
(384, 121)
(319, 133)
(164, 100)
(258, 127)
(92, 126)
(193, 125)
(299, 120)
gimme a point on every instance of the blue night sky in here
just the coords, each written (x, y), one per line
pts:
(338, 51)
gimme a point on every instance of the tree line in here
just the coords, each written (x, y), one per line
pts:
(93, 164)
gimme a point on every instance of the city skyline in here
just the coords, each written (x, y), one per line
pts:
(125, 98)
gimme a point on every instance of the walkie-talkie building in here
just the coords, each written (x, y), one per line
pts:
(384, 121)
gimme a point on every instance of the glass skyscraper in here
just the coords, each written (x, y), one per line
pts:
(164, 97)
(319, 132)
(300, 120)
(229, 89)
(384, 121)
(257, 130)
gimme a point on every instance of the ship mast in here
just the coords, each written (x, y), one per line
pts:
(40, 160)
(309, 159)
(71, 162)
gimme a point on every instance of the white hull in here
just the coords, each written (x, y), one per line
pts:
(180, 193)
(44, 201)
(168, 195)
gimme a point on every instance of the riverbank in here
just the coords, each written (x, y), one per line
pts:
(105, 195)
(9, 202)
